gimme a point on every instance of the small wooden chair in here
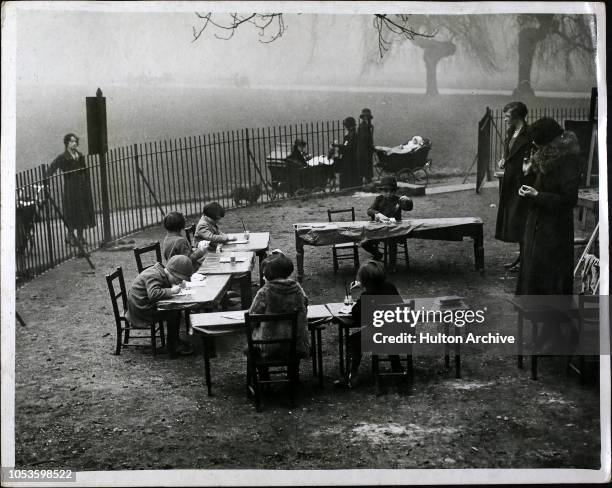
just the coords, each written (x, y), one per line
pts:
(189, 233)
(123, 326)
(403, 244)
(260, 369)
(139, 251)
(337, 249)
(408, 373)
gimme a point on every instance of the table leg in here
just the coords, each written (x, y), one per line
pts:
(520, 340)
(457, 355)
(534, 356)
(347, 364)
(299, 256)
(446, 347)
(205, 350)
(261, 255)
(479, 250)
(313, 342)
(320, 357)
(341, 349)
(246, 294)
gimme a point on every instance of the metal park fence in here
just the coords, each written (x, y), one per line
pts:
(133, 187)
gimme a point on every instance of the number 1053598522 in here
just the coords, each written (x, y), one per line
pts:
(41, 475)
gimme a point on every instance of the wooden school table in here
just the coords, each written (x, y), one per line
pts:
(241, 270)
(259, 243)
(446, 229)
(218, 324)
(207, 293)
(345, 325)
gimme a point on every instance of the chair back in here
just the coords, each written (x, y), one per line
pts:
(113, 281)
(331, 212)
(140, 251)
(189, 233)
(287, 343)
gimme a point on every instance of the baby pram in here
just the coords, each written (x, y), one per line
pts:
(292, 179)
(410, 167)
(29, 206)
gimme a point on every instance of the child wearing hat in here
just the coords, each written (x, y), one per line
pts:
(385, 206)
(176, 244)
(152, 285)
(208, 226)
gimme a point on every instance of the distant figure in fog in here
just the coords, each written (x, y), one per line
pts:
(512, 209)
(349, 173)
(297, 158)
(77, 202)
(365, 146)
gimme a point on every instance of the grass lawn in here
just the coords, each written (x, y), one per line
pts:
(80, 406)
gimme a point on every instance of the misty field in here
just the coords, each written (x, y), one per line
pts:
(145, 114)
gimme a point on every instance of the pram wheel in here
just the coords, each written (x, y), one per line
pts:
(417, 176)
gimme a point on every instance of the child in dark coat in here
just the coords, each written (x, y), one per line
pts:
(152, 285)
(280, 294)
(176, 244)
(385, 206)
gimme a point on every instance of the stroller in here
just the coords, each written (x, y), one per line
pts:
(411, 167)
(288, 178)
(29, 206)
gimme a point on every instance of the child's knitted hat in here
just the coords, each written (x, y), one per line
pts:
(180, 266)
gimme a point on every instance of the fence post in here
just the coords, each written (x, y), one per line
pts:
(484, 150)
(138, 186)
(98, 144)
(48, 215)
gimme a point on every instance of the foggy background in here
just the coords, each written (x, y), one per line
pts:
(160, 85)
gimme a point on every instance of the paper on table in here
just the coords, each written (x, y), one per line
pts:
(227, 260)
(346, 310)
(185, 292)
(195, 284)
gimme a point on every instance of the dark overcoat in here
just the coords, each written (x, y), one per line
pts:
(512, 209)
(365, 150)
(77, 200)
(349, 174)
(548, 255)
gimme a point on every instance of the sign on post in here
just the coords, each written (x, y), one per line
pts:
(97, 141)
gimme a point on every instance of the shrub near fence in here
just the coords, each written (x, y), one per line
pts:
(147, 180)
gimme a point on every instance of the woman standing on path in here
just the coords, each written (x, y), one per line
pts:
(548, 253)
(512, 209)
(78, 207)
(365, 146)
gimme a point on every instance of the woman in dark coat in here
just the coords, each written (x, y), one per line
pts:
(512, 209)
(365, 145)
(548, 254)
(78, 207)
(349, 176)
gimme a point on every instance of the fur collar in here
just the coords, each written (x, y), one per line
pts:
(283, 286)
(562, 145)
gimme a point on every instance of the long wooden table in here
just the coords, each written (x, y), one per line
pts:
(241, 271)
(219, 324)
(345, 325)
(446, 229)
(207, 293)
(259, 243)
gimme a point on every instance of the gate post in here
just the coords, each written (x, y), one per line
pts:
(97, 140)
(484, 150)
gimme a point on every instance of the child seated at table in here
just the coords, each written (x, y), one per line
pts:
(280, 294)
(208, 226)
(372, 279)
(176, 244)
(385, 206)
(152, 285)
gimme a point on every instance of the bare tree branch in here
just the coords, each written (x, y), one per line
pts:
(260, 21)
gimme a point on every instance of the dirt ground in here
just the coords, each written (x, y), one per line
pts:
(79, 406)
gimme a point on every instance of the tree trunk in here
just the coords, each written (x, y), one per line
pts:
(433, 52)
(529, 38)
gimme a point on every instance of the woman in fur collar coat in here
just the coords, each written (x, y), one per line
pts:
(548, 260)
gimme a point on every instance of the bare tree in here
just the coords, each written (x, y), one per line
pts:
(549, 38)
(269, 26)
